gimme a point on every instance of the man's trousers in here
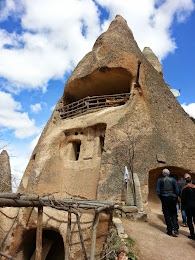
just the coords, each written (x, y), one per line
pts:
(190, 219)
(170, 213)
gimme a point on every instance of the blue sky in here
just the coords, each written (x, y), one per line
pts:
(41, 42)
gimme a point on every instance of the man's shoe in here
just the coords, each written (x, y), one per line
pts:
(169, 233)
(184, 225)
(175, 233)
(192, 237)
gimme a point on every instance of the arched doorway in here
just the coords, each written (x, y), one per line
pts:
(154, 175)
(53, 245)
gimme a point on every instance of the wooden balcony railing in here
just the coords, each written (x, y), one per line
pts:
(89, 104)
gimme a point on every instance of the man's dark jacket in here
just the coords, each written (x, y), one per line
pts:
(188, 197)
(167, 187)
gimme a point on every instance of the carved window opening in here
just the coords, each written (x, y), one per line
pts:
(76, 150)
(102, 138)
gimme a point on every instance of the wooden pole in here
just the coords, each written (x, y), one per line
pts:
(93, 237)
(81, 238)
(18, 203)
(34, 201)
(7, 256)
(39, 234)
(68, 233)
(8, 195)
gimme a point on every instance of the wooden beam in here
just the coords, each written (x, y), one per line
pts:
(39, 234)
(7, 256)
(68, 233)
(18, 203)
(36, 201)
(7, 195)
(93, 237)
(30, 197)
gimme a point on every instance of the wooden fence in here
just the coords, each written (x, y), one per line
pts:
(72, 206)
(89, 104)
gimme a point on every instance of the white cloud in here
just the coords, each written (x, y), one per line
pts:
(36, 108)
(11, 117)
(190, 109)
(34, 142)
(7, 7)
(52, 108)
(19, 156)
(50, 46)
(52, 42)
(151, 25)
(18, 165)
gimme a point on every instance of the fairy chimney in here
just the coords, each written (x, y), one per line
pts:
(104, 111)
(153, 59)
(5, 173)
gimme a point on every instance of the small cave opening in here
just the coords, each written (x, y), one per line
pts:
(55, 241)
(52, 246)
(102, 81)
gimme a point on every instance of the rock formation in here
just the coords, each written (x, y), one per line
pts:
(5, 173)
(83, 154)
(152, 58)
(5, 186)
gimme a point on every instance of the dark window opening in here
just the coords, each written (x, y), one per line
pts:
(102, 138)
(77, 148)
(34, 156)
(76, 133)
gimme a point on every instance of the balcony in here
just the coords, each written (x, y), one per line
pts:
(90, 104)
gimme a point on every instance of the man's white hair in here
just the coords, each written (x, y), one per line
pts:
(166, 172)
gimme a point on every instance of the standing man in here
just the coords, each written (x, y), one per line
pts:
(188, 202)
(168, 192)
(181, 183)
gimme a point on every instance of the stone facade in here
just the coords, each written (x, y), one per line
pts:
(69, 160)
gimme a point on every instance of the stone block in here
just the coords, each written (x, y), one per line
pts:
(137, 216)
(123, 236)
(129, 209)
(161, 158)
(120, 229)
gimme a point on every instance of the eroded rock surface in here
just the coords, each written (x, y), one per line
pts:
(5, 173)
(152, 58)
(109, 68)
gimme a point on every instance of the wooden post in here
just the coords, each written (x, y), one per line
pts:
(39, 234)
(81, 238)
(68, 233)
(93, 237)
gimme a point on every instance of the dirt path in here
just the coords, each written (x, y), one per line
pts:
(152, 242)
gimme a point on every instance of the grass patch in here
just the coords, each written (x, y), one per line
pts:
(114, 245)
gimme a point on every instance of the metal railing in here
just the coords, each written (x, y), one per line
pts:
(88, 104)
